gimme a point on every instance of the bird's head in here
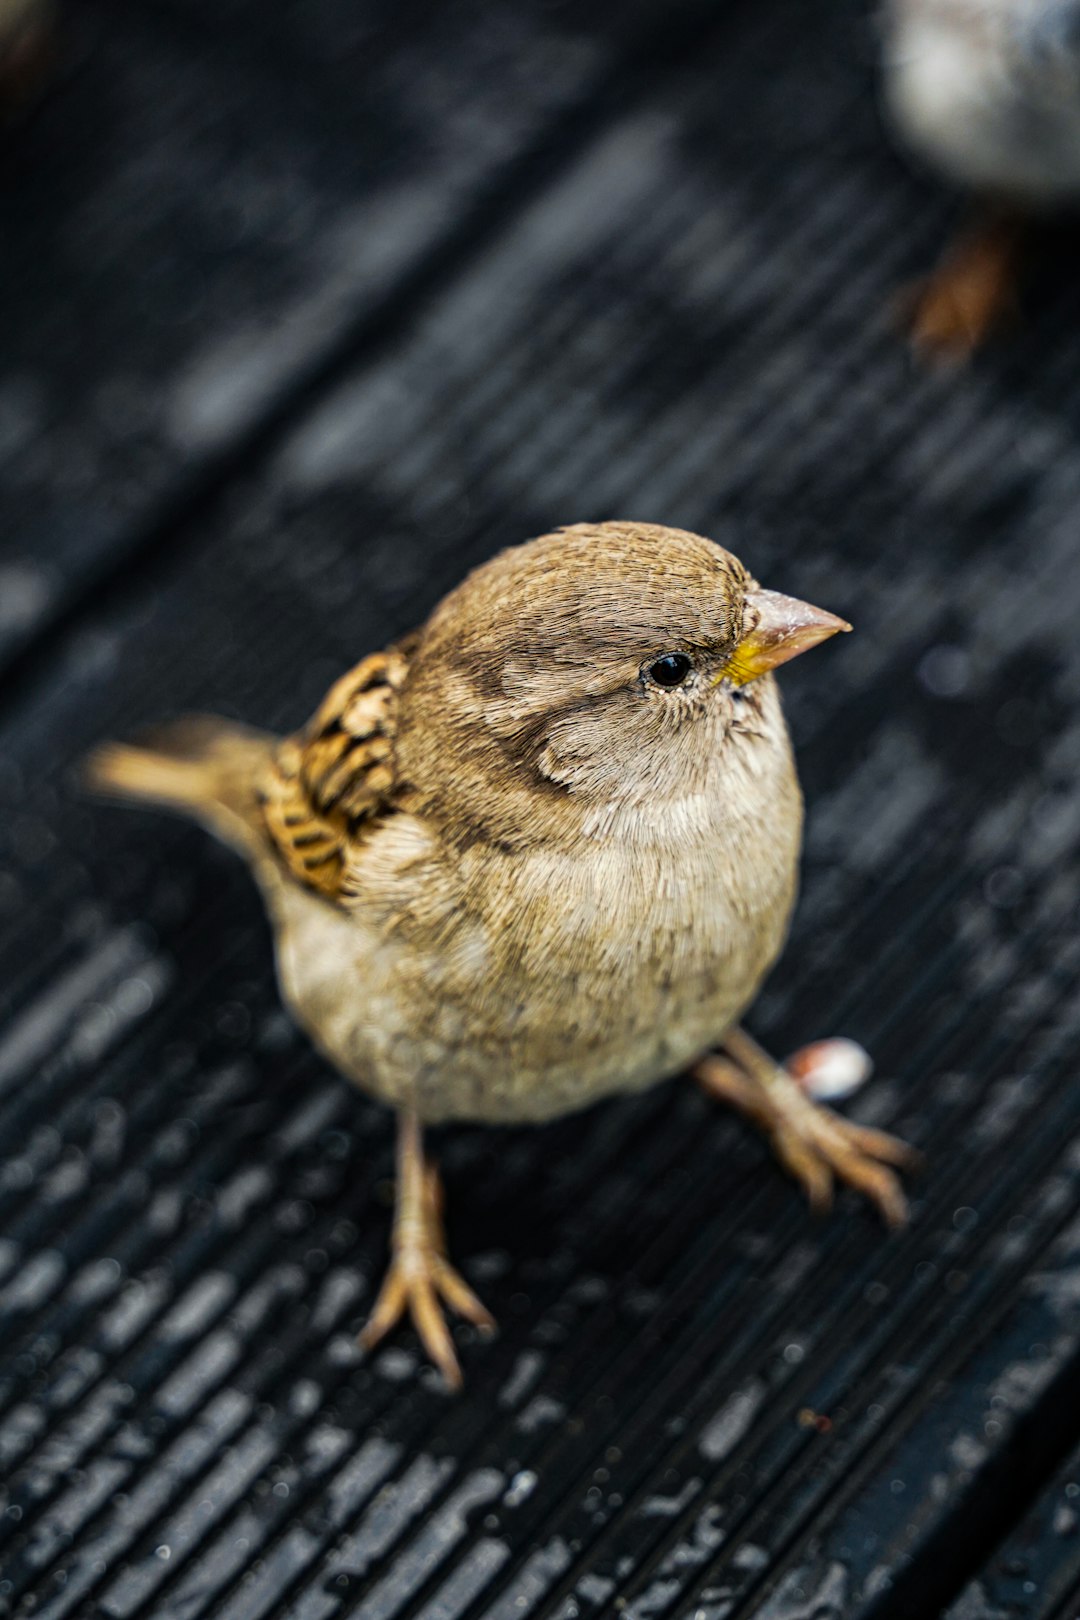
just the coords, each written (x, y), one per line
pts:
(604, 664)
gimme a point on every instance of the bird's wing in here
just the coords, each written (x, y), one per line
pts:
(328, 785)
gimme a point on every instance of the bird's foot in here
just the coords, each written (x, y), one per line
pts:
(420, 1278)
(951, 312)
(27, 56)
(813, 1144)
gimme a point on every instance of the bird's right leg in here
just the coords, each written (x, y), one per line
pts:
(420, 1276)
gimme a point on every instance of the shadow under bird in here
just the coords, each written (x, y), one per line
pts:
(542, 851)
(986, 92)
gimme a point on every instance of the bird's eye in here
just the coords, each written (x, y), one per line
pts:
(671, 670)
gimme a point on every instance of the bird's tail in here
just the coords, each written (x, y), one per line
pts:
(200, 766)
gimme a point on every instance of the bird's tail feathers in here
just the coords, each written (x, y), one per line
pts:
(201, 766)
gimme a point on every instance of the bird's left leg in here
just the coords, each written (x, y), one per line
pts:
(420, 1276)
(812, 1143)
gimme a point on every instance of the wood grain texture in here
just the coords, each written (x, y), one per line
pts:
(687, 321)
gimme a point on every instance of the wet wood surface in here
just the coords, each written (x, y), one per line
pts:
(306, 310)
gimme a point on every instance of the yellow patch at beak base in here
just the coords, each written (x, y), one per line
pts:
(776, 628)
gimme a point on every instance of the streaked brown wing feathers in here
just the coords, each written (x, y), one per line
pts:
(337, 775)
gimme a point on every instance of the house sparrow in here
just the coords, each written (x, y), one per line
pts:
(988, 93)
(539, 852)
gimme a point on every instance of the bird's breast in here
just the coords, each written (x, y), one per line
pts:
(576, 973)
(505, 984)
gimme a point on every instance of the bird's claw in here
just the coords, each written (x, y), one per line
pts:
(942, 329)
(819, 1147)
(420, 1277)
(419, 1280)
(816, 1146)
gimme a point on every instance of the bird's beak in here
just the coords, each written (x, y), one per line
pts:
(776, 628)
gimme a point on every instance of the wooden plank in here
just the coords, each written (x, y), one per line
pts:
(211, 205)
(1035, 1571)
(685, 324)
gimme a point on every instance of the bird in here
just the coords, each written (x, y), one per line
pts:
(540, 852)
(987, 94)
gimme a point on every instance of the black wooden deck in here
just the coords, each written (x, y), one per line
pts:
(306, 307)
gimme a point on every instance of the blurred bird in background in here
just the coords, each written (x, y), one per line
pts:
(541, 852)
(987, 92)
